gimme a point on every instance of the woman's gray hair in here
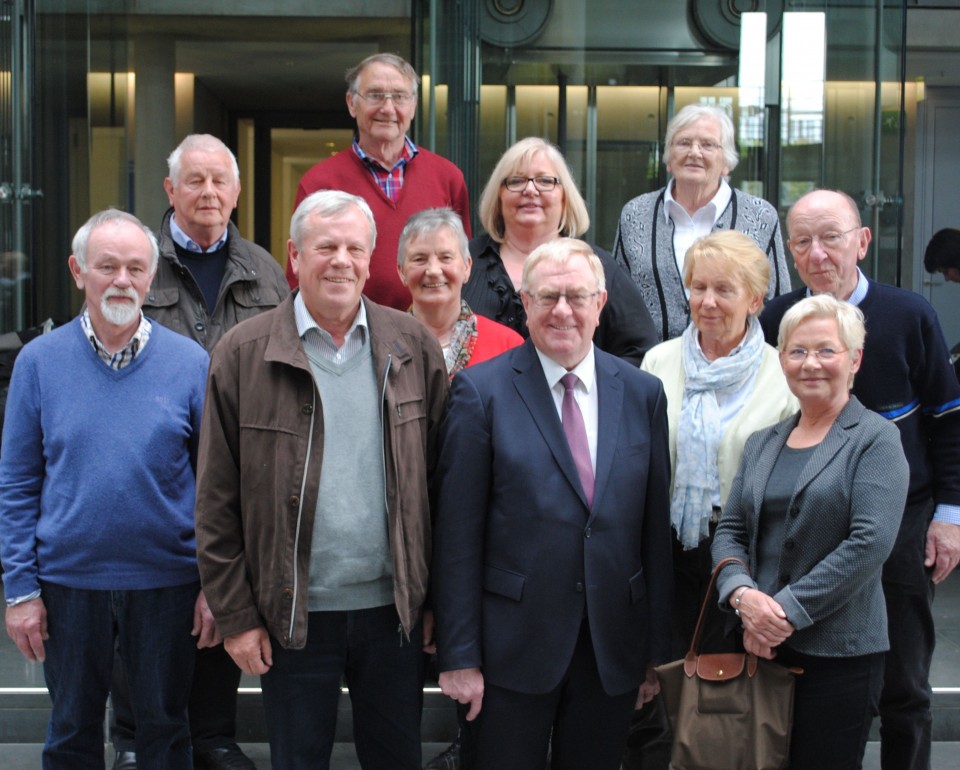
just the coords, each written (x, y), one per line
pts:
(82, 239)
(690, 115)
(326, 204)
(574, 220)
(849, 320)
(739, 254)
(391, 60)
(204, 143)
(427, 222)
(560, 251)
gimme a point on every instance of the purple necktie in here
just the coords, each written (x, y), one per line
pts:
(576, 434)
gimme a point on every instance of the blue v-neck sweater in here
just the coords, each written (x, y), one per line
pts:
(98, 465)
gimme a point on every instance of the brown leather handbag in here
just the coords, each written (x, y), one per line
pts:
(728, 711)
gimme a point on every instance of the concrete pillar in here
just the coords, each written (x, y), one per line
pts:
(154, 125)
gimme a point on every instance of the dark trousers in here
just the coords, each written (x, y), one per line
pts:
(835, 702)
(905, 717)
(384, 672)
(213, 703)
(588, 726)
(152, 629)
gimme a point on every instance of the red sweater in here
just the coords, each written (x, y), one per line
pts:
(429, 181)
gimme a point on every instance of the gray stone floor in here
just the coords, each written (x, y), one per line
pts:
(26, 756)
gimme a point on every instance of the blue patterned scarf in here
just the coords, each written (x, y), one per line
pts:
(697, 479)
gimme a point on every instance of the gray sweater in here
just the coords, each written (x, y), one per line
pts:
(644, 246)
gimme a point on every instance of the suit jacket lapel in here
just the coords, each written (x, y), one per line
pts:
(610, 406)
(531, 385)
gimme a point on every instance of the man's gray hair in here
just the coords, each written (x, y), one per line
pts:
(390, 59)
(558, 252)
(427, 222)
(82, 239)
(203, 143)
(326, 204)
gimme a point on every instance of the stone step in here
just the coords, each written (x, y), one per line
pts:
(24, 712)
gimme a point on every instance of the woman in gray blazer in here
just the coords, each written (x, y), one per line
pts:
(814, 511)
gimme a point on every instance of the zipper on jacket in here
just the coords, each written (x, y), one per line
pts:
(383, 429)
(296, 536)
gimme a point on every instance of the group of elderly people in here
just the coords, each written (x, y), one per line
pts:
(773, 460)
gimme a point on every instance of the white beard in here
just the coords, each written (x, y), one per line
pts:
(123, 313)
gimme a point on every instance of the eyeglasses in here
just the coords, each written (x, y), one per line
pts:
(832, 240)
(549, 299)
(707, 146)
(378, 98)
(823, 355)
(542, 183)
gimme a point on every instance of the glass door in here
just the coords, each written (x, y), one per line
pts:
(16, 169)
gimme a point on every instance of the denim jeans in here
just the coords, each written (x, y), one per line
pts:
(212, 710)
(152, 628)
(384, 672)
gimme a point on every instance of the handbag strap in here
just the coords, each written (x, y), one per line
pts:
(698, 631)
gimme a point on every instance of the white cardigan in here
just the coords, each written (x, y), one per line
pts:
(770, 402)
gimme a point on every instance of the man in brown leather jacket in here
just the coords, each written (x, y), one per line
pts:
(313, 515)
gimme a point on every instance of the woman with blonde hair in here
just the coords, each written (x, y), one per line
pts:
(722, 382)
(531, 199)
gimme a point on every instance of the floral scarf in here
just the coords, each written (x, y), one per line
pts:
(463, 340)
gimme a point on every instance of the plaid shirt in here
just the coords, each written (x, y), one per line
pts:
(388, 180)
(128, 352)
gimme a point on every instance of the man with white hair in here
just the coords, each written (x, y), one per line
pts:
(210, 278)
(104, 413)
(313, 510)
(907, 378)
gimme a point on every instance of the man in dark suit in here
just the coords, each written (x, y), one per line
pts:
(553, 575)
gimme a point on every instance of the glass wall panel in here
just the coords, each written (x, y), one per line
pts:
(814, 103)
(629, 161)
(846, 132)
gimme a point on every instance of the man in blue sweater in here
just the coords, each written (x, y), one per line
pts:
(96, 506)
(906, 377)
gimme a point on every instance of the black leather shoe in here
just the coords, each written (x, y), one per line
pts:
(226, 758)
(448, 759)
(125, 760)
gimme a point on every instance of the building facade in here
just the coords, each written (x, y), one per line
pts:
(853, 94)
